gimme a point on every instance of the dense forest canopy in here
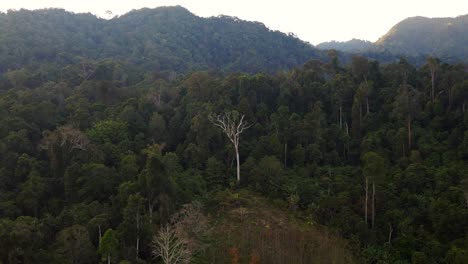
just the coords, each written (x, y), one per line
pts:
(165, 38)
(110, 146)
(376, 153)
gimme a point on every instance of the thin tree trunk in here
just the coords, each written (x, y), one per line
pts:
(108, 258)
(432, 83)
(238, 164)
(367, 105)
(373, 203)
(347, 140)
(390, 231)
(150, 211)
(340, 115)
(449, 99)
(367, 195)
(409, 134)
(138, 231)
(100, 232)
(360, 115)
(285, 154)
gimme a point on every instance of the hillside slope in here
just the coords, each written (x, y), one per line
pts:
(441, 37)
(416, 38)
(253, 229)
(165, 38)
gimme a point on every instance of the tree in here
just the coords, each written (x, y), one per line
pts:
(282, 126)
(157, 128)
(32, 193)
(154, 182)
(132, 225)
(268, 175)
(360, 68)
(167, 245)
(61, 144)
(108, 244)
(406, 106)
(97, 183)
(341, 89)
(74, 245)
(432, 63)
(373, 168)
(179, 240)
(192, 226)
(233, 125)
(99, 221)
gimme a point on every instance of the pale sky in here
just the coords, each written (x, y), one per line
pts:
(314, 21)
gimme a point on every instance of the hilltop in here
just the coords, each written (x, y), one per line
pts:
(164, 38)
(416, 37)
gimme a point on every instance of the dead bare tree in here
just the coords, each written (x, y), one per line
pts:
(183, 237)
(233, 124)
(168, 246)
(61, 144)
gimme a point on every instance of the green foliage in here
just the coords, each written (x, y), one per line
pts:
(161, 39)
(113, 146)
(108, 245)
(73, 245)
(422, 35)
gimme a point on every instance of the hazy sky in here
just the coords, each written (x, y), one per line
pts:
(311, 20)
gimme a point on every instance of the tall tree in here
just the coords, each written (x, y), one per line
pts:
(74, 245)
(155, 183)
(406, 105)
(108, 245)
(233, 125)
(373, 169)
(282, 127)
(61, 144)
(432, 63)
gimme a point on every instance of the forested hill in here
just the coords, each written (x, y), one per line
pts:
(353, 45)
(415, 38)
(440, 37)
(165, 38)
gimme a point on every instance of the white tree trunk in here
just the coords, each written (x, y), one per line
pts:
(367, 195)
(232, 126)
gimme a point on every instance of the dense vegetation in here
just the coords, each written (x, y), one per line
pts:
(445, 38)
(353, 45)
(166, 38)
(109, 145)
(415, 38)
(97, 157)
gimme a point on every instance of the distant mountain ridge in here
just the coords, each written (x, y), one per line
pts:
(353, 45)
(164, 38)
(445, 38)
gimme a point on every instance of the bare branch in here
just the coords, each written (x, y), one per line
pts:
(168, 246)
(232, 127)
